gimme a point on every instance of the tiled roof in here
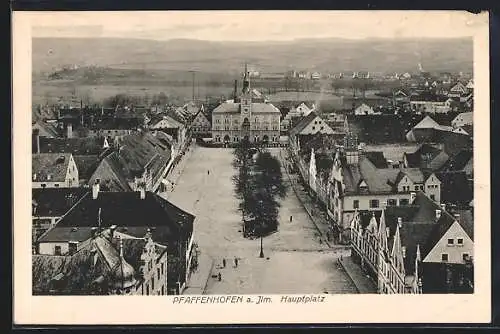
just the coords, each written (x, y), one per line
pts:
(137, 151)
(377, 180)
(54, 165)
(86, 165)
(128, 211)
(469, 129)
(76, 146)
(458, 161)
(419, 223)
(427, 156)
(231, 107)
(376, 158)
(303, 123)
(45, 129)
(55, 202)
(455, 188)
(78, 272)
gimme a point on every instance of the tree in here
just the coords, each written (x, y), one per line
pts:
(258, 184)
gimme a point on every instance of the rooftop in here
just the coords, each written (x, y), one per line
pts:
(50, 166)
(128, 211)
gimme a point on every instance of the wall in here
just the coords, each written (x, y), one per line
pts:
(48, 248)
(364, 200)
(317, 126)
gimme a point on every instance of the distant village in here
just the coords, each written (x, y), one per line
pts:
(392, 172)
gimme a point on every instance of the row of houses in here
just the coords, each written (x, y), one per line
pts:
(91, 194)
(377, 197)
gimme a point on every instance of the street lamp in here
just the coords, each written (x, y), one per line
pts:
(261, 255)
(261, 248)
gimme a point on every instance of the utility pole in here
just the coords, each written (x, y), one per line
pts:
(193, 74)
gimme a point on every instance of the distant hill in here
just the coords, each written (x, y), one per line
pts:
(326, 55)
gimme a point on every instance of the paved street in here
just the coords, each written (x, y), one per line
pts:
(295, 259)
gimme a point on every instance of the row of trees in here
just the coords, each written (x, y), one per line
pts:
(259, 185)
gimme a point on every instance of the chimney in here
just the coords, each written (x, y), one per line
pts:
(94, 230)
(438, 214)
(112, 229)
(413, 195)
(387, 231)
(142, 192)
(443, 206)
(457, 216)
(95, 189)
(36, 132)
(69, 130)
(400, 222)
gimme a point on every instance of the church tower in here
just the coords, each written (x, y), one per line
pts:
(246, 103)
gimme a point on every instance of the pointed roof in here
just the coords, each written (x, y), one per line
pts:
(303, 123)
(382, 233)
(397, 252)
(427, 123)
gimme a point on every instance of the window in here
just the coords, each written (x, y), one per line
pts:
(57, 250)
(355, 204)
(314, 128)
(147, 289)
(158, 272)
(465, 256)
(374, 203)
(321, 128)
(404, 201)
(57, 184)
(460, 241)
(433, 197)
(451, 242)
(444, 257)
(152, 283)
(392, 201)
(162, 290)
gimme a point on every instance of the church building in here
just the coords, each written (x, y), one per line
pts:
(247, 116)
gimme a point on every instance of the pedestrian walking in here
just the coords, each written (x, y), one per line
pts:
(219, 276)
(223, 263)
(291, 218)
(236, 262)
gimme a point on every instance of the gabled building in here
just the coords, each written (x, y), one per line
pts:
(201, 124)
(44, 129)
(130, 215)
(365, 109)
(303, 109)
(427, 130)
(458, 90)
(427, 157)
(403, 248)
(357, 184)
(308, 126)
(54, 170)
(170, 126)
(50, 204)
(139, 160)
(465, 118)
(108, 264)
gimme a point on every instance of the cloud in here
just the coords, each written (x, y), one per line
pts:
(262, 25)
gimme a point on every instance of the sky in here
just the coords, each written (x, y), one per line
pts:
(256, 25)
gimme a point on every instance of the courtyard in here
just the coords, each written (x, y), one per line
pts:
(295, 261)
